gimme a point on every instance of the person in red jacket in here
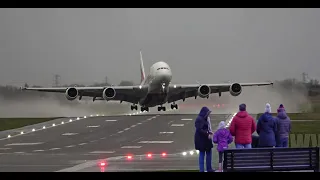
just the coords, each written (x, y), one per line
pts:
(242, 127)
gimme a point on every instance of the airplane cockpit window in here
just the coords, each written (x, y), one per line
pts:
(163, 68)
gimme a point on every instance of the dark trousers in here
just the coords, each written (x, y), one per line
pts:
(208, 155)
(220, 157)
(283, 142)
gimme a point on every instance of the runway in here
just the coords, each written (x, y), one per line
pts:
(77, 146)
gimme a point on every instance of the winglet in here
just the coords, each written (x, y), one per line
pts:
(143, 76)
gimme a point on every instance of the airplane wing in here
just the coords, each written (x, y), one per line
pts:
(181, 92)
(130, 94)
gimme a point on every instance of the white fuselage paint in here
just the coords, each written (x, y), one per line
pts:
(158, 82)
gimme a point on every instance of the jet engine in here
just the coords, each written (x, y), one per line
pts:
(235, 89)
(71, 93)
(108, 93)
(204, 91)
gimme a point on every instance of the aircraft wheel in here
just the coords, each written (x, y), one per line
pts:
(159, 108)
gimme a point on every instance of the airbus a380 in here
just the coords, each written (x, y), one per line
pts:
(154, 90)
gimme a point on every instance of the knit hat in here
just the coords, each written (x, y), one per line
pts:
(242, 107)
(222, 125)
(268, 108)
(281, 108)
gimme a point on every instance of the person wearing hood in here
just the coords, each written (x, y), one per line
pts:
(242, 127)
(203, 139)
(284, 127)
(223, 138)
(267, 128)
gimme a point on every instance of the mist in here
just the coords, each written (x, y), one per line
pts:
(51, 107)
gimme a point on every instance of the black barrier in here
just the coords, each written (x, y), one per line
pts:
(271, 159)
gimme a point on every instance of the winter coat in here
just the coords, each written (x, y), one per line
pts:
(242, 127)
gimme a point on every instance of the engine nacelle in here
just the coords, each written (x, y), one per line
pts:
(235, 89)
(204, 91)
(108, 93)
(72, 93)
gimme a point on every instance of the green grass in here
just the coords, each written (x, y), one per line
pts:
(312, 127)
(13, 123)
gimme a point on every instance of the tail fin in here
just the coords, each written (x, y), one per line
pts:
(143, 76)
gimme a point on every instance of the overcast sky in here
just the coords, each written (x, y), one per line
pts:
(205, 45)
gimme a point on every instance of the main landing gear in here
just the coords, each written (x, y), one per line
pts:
(144, 109)
(174, 106)
(134, 107)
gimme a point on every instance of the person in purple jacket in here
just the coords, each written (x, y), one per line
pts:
(284, 127)
(223, 138)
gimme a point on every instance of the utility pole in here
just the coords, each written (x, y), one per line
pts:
(304, 77)
(56, 80)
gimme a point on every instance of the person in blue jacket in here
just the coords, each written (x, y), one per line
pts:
(284, 127)
(267, 128)
(203, 139)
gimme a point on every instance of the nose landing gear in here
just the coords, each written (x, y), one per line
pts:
(144, 109)
(134, 107)
(161, 108)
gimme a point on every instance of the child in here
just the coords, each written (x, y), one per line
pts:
(223, 138)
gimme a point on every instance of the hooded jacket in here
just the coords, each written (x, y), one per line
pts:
(242, 127)
(267, 129)
(222, 137)
(201, 140)
(283, 124)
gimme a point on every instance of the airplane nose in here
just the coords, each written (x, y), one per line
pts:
(165, 76)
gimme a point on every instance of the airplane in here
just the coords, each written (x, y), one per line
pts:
(155, 89)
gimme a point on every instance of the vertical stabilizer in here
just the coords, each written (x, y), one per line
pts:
(143, 75)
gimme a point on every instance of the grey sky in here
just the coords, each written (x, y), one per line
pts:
(206, 45)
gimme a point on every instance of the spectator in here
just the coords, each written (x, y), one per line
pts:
(203, 139)
(284, 127)
(242, 127)
(267, 128)
(223, 138)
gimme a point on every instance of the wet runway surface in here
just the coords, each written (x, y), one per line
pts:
(79, 145)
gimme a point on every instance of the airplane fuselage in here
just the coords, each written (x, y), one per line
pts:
(158, 81)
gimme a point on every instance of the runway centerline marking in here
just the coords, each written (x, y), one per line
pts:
(52, 149)
(70, 146)
(177, 125)
(166, 132)
(39, 150)
(186, 119)
(24, 144)
(82, 144)
(102, 152)
(93, 126)
(69, 134)
(155, 142)
(126, 129)
(131, 147)
(120, 132)
(5, 148)
(111, 120)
